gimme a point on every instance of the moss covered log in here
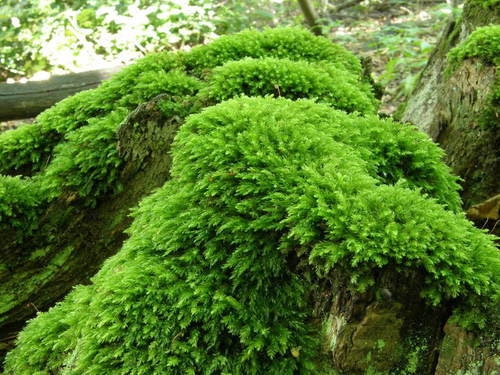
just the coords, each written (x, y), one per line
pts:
(288, 223)
(268, 198)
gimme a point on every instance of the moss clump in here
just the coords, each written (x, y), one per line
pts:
(483, 43)
(282, 43)
(267, 197)
(29, 149)
(290, 79)
(88, 163)
(70, 154)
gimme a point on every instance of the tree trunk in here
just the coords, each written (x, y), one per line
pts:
(75, 240)
(448, 108)
(26, 100)
(310, 15)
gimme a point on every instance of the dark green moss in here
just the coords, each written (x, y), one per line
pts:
(485, 3)
(20, 204)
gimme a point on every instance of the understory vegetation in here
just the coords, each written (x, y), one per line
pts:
(282, 176)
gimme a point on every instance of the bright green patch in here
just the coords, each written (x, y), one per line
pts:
(289, 43)
(483, 43)
(267, 196)
(71, 148)
(290, 79)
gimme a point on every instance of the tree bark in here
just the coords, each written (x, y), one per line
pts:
(448, 107)
(26, 100)
(310, 15)
(383, 329)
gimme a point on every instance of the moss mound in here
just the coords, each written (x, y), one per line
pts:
(288, 43)
(267, 198)
(66, 167)
(289, 79)
(29, 149)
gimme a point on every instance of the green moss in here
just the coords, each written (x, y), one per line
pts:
(289, 43)
(88, 162)
(483, 43)
(29, 149)
(71, 148)
(486, 3)
(20, 201)
(23, 282)
(26, 149)
(267, 196)
(8, 299)
(290, 79)
(39, 253)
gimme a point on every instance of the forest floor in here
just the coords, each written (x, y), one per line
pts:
(398, 40)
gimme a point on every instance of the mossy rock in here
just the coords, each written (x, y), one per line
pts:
(268, 198)
(376, 340)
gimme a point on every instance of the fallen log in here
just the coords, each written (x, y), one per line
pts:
(26, 100)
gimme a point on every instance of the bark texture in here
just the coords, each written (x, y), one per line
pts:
(387, 329)
(449, 107)
(465, 352)
(310, 16)
(75, 239)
